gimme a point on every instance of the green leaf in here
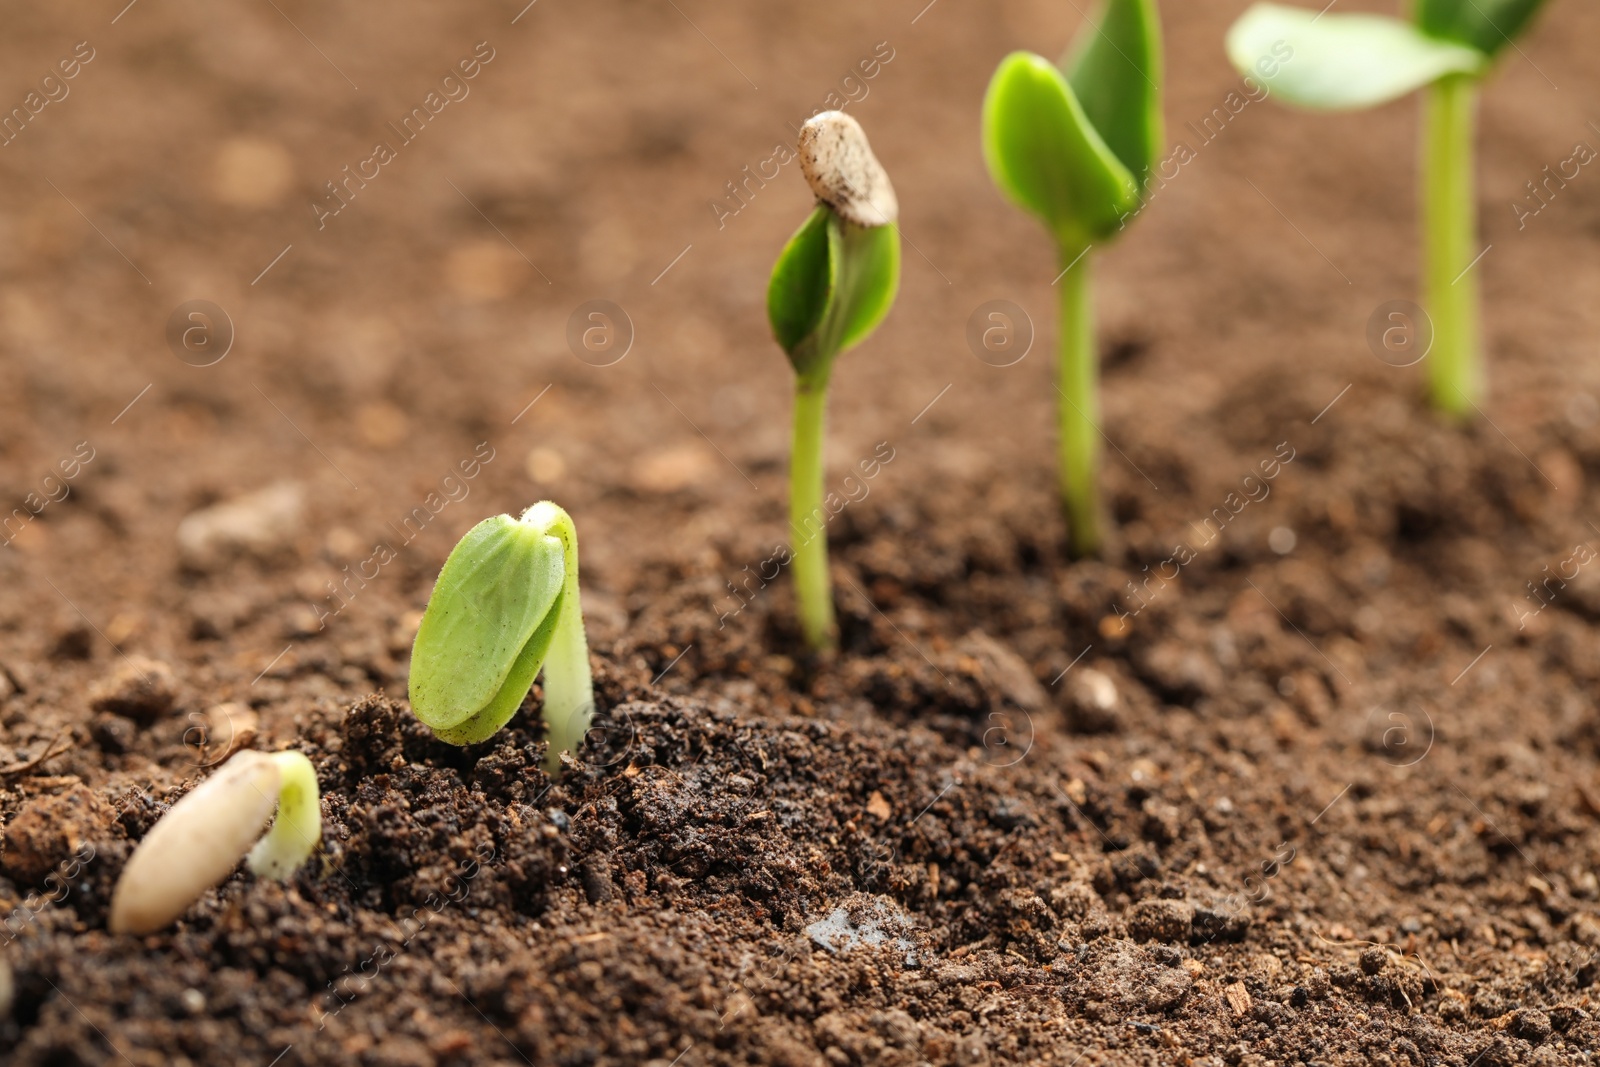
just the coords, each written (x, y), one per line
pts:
(1487, 25)
(802, 282)
(1047, 157)
(870, 258)
(505, 702)
(1115, 69)
(477, 641)
(1341, 62)
(831, 287)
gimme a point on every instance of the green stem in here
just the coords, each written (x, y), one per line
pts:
(1455, 365)
(1080, 406)
(807, 519)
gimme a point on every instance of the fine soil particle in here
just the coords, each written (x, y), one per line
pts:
(1304, 770)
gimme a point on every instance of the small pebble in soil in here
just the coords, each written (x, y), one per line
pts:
(1281, 540)
(1094, 706)
(141, 688)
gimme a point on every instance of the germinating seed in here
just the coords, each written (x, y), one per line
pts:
(196, 844)
(841, 169)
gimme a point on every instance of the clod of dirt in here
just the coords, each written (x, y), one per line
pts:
(49, 830)
(1531, 1025)
(1003, 669)
(1219, 919)
(114, 734)
(1178, 672)
(74, 642)
(595, 874)
(1169, 987)
(261, 524)
(1168, 921)
(140, 688)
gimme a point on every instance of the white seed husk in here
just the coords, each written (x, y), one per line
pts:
(842, 171)
(196, 844)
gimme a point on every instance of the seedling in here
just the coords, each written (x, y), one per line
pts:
(1347, 62)
(831, 287)
(197, 843)
(506, 604)
(1074, 145)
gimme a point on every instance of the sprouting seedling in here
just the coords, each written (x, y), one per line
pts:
(506, 604)
(1074, 145)
(831, 287)
(197, 843)
(1346, 62)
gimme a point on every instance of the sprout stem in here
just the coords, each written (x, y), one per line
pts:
(807, 518)
(298, 827)
(1450, 240)
(1080, 405)
(568, 681)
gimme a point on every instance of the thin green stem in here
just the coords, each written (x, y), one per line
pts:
(807, 519)
(1455, 363)
(1080, 406)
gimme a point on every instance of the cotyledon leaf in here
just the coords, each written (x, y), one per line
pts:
(1343, 62)
(496, 591)
(1047, 156)
(802, 283)
(870, 258)
(1115, 70)
(1487, 25)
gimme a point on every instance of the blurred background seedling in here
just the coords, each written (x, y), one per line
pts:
(1343, 62)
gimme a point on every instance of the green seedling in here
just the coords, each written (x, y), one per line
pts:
(199, 841)
(506, 604)
(831, 287)
(1074, 144)
(1346, 62)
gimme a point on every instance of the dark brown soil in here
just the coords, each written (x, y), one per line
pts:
(1318, 786)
